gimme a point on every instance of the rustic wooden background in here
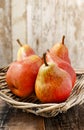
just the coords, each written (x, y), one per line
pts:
(44, 21)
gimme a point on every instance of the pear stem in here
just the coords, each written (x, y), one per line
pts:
(48, 50)
(44, 57)
(63, 39)
(19, 42)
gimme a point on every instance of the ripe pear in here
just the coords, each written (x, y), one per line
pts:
(52, 84)
(63, 65)
(61, 51)
(24, 51)
(21, 75)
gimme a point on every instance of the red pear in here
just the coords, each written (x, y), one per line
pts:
(53, 84)
(24, 51)
(60, 50)
(21, 75)
(63, 65)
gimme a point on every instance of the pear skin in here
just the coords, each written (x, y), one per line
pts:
(53, 85)
(21, 75)
(60, 50)
(63, 65)
(24, 51)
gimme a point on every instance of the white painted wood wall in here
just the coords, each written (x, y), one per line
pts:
(46, 21)
(5, 33)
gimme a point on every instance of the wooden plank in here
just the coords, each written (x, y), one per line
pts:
(15, 119)
(73, 119)
(45, 19)
(19, 120)
(75, 32)
(4, 110)
(34, 26)
(48, 24)
(19, 24)
(49, 20)
(5, 33)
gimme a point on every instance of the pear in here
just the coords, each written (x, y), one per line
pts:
(61, 51)
(63, 65)
(52, 83)
(24, 51)
(21, 75)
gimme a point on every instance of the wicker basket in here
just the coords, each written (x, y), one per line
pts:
(33, 105)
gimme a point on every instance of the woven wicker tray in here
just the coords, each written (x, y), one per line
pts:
(33, 105)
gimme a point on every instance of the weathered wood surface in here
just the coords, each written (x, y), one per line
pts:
(19, 23)
(5, 33)
(73, 119)
(48, 20)
(15, 119)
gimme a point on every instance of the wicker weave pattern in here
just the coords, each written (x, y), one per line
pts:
(33, 105)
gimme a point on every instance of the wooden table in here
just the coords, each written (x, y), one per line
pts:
(16, 119)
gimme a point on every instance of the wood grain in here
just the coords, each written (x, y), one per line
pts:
(5, 33)
(49, 20)
(18, 24)
(73, 119)
(15, 119)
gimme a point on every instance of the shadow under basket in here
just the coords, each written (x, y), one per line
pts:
(33, 105)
